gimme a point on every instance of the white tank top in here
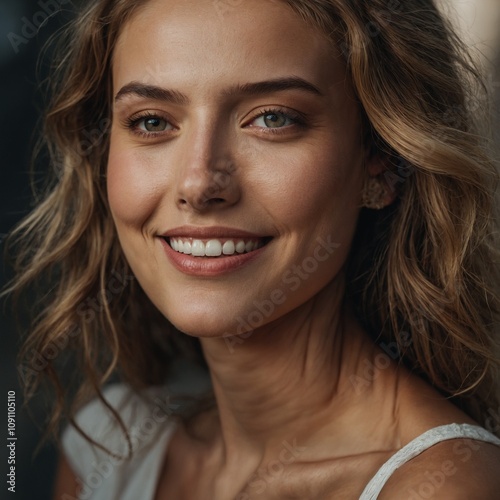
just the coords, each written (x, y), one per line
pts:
(419, 445)
(105, 478)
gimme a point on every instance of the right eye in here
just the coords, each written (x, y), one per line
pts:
(149, 124)
(153, 124)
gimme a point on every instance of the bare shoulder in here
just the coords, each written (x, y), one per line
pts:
(65, 484)
(458, 469)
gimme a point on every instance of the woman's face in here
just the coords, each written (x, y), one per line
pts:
(241, 118)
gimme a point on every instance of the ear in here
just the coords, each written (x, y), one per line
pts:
(381, 182)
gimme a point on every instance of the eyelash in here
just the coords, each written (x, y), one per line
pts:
(132, 123)
(298, 120)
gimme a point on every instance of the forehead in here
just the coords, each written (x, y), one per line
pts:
(209, 43)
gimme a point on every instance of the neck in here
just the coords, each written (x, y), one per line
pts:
(293, 380)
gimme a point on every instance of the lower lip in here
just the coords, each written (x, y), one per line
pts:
(209, 266)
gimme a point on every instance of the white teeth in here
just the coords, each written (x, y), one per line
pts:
(212, 248)
(198, 248)
(228, 248)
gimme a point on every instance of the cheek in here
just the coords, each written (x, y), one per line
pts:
(308, 185)
(133, 192)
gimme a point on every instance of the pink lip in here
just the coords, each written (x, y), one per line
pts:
(209, 232)
(208, 266)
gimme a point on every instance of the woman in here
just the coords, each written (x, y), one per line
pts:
(298, 188)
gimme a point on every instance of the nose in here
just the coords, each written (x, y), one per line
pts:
(208, 177)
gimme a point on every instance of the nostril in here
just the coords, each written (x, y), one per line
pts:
(207, 202)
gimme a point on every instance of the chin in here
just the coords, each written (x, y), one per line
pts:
(202, 325)
(213, 315)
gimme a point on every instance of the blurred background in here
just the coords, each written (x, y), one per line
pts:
(25, 26)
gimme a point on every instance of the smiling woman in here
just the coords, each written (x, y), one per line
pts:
(300, 191)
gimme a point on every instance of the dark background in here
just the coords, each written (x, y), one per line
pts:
(20, 102)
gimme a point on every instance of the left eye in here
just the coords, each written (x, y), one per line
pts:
(273, 120)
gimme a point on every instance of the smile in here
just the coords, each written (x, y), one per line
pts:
(216, 247)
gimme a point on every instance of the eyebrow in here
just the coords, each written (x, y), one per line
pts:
(258, 88)
(276, 85)
(151, 92)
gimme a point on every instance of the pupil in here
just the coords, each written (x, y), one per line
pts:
(153, 123)
(274, 120)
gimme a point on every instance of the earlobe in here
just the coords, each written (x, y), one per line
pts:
(378, 193)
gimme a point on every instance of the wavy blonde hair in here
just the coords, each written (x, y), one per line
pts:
(423, 273)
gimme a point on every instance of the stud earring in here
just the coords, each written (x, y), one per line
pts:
(374, 194)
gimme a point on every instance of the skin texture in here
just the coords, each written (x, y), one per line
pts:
(301, 375)
(299, 186)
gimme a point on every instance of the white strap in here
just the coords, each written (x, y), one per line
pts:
(419, 445)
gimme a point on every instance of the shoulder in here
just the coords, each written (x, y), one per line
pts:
(144, 417)
(461, 469)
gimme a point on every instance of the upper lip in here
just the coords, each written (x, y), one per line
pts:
(209, 232)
